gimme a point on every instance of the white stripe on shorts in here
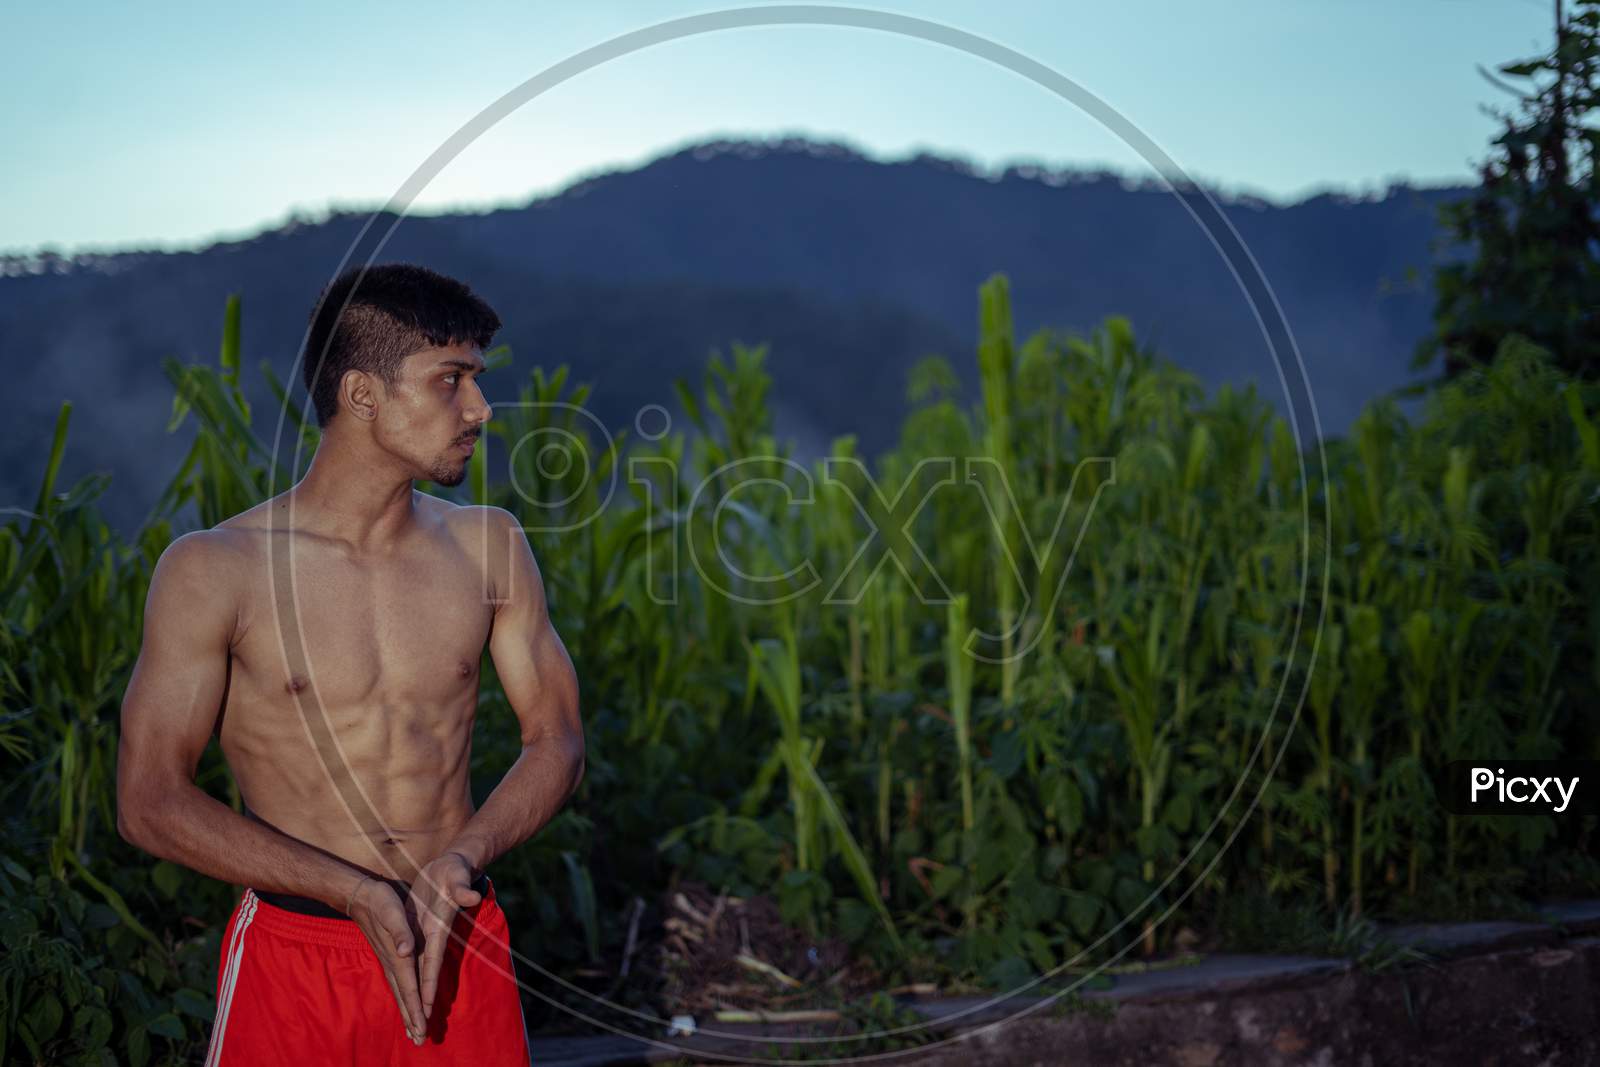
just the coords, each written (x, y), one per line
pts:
(230, 978)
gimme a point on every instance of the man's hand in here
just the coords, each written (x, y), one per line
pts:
(438, 892)
(376, 908)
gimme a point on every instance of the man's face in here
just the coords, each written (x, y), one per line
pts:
(434, 412)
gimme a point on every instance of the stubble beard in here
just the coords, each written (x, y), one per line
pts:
(444, 472)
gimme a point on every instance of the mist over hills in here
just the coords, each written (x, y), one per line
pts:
(850, 269)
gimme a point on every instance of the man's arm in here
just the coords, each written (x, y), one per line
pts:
(542, 689)
(168, 715)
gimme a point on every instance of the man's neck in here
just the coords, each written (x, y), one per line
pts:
(364, 500)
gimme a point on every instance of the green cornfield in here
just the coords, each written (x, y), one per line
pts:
(1133, 743)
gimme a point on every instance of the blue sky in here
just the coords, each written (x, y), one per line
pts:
(169, 125)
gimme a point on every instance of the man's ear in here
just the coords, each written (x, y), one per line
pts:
(358, 394)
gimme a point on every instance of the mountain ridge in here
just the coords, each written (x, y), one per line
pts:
(848, 267)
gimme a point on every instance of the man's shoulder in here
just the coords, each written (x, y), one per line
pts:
(218, 553)
(256, 519)
(476, 518)
(195, 583)
(492, 537)
(203, 562)
(217, 548)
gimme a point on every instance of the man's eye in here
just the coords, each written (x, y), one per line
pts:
(451, 378)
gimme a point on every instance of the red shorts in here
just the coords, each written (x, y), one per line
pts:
(301, 991)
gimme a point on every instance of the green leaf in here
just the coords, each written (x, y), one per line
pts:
(1588, 435)
(168, 878)
(1083, 912)
(229, 356)
(1006, 756)
(1179, 811)
(138, 1047)
(1034, 902)
(945, 880)
(855, 860)
(1098, 875)
(583, 903)
(855, 919)
(497, 357)
(92, 1024)
(1067, 800)
(114, 899)
(799, 895)
(58, 444)
(995, 856)
(1039, 951)
(195, 1003)
(43, 1017)
(167, 1025)
(1129, 894)
(1008, 974)
(27, 1039)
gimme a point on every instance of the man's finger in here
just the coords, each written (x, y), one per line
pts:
(390, 968)
(399, 1001)
(400, 935)
(428, 969)
(467, 897)
(405, 977)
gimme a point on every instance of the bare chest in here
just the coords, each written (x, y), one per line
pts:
(402, 632)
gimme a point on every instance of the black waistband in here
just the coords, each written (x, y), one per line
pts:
(311, 906)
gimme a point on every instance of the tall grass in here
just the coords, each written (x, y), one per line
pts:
(978, 816)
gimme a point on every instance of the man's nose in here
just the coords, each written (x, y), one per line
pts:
(478, 412)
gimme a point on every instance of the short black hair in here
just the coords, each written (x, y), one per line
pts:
(371, 318)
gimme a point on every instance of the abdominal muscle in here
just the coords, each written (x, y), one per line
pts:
(386, 788)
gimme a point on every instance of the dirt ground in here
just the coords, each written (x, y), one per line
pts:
(725, 953)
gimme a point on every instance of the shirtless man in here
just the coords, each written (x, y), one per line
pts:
(331, 637)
